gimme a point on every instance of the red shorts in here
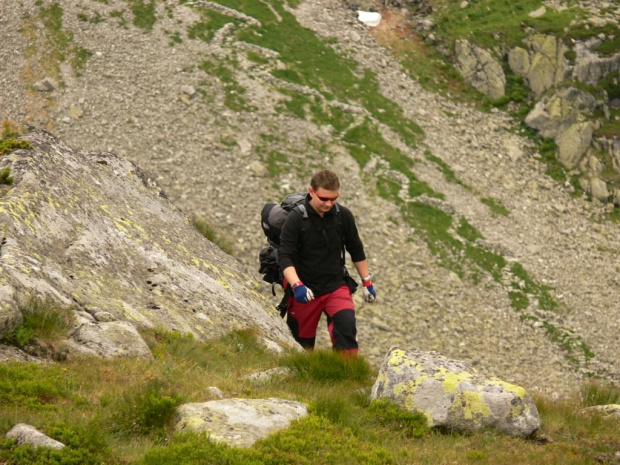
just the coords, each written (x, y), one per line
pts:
(309, 314)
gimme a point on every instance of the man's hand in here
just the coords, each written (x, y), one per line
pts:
(370, 295)
(302, 293)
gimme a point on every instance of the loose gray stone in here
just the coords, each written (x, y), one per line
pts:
(26, 434)
(239, 422)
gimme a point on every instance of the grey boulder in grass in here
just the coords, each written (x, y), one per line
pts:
(453, 395)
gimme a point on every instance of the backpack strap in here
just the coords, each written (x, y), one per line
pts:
(301, 208)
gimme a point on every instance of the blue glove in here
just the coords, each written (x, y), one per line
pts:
(302, 293)
(370, 295)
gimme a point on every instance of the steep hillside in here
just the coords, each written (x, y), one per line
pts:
(476, 252)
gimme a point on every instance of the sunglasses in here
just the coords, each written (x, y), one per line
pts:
(327, 199)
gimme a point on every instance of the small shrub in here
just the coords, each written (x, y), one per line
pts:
(391, 415)
(314, 439)
(198, 449)
(31, 386)
(327, 367)
(332, 407)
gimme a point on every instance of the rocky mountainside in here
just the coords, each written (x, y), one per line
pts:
(475, 251)
(96, 235)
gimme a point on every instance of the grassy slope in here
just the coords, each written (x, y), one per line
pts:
(121, 412)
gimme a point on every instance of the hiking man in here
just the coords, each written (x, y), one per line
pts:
(312, 257)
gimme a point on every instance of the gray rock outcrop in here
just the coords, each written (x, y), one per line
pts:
(26, 434)
(479, 68)
(93, 231)
(453, 395)
(563, 116)
(238, 422)
(590, 68)
(541, 63)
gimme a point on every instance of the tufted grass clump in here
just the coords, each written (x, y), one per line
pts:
(145, 410)
(9, 133)
(44, 322)
(328, 367)
(409, 424)
(599, 393)
(212, 233)
(5, 176)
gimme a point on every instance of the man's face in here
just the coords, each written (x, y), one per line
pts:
(323, 200)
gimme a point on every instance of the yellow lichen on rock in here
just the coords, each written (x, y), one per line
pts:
(451, 380)
(472, 405)
(519, 391)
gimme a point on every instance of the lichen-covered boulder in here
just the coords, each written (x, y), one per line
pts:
(26, 434)
(453, 395)
(238, 422)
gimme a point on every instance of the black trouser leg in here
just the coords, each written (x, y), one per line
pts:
(305, 342)
(343, 330)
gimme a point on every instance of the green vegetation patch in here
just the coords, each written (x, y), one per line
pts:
(9, 142)
(366, 139)
(487, 22)
(52, 21)
(32, 386)
(310, 440)
(233, 91)
(144, 14)
(59, 42)
(7, 145)
(83, 446)
(210, 22)
(407, 423)
(495, 206)
(526, 284)
(448, 173)
(5, 177)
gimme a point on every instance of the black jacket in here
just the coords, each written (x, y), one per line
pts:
(314, 246)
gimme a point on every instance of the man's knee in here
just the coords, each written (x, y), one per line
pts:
(343, 329)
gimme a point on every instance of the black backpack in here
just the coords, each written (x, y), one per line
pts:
(273, 216)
